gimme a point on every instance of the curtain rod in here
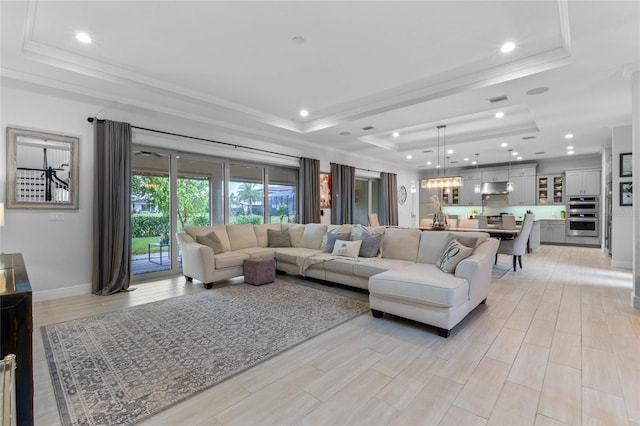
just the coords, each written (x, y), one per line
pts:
(364, 170)
(236, 146)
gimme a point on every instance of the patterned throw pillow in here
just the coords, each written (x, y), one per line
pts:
(331, 240)
(347, 248)
(370, 245)
(452, 255)
(211, 240)
(278, 238)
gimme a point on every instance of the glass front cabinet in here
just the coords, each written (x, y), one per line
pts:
(550, 189)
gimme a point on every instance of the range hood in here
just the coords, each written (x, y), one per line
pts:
(494, 188)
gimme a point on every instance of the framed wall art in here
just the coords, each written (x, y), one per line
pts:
(626, 193)
(325, 190)
(626, 167)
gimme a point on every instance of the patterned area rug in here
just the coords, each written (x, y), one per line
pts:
(123, 366)
(500, 270)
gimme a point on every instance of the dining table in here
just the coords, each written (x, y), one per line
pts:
(503, 234)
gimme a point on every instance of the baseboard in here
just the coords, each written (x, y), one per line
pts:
(621, 265)
(76, 290)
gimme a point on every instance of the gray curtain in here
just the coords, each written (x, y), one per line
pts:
(343, 186)
(388, 196)
(310, 184)
(111, 207)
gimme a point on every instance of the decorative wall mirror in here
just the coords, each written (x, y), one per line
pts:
(42, 170)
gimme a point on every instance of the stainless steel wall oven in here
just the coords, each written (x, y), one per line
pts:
(583, 217)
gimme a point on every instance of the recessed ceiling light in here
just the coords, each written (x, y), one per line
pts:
(297, 40)
(570, 152)
(304, 113)
(83, 37)
(537, 90)
(466, 158)
(519, 158)
(568, 136)
(570, 147)
(437, 166)
(508, 47)
(409, 156)
(499, 114)
(428, 163)
(514, 153)
(503, 144)
(395, 134)
(450, 151)
(474, 162)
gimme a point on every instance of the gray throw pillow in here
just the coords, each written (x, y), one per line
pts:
(452, 255)
(331, 240)
(370, 245)
(211, 240)
(278, 238)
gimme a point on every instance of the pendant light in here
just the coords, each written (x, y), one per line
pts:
(476, 187)
(509, 183)
(445, 182)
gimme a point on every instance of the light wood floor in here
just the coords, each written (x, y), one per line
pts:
(556, 343)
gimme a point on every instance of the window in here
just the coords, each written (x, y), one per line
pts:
(282, 199)
(246, 194)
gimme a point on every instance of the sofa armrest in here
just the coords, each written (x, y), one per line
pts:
(476, 269)
(198, 260)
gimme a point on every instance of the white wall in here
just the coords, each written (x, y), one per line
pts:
(622, 217)
(58, 254)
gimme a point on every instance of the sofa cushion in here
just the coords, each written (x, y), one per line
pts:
(229, 259)
(313, 235)
(452, 255)
(295, 233)
(432, 244)
(255, 252)
(330, 240)
(292, 254)
(401, 243)
(261, 232)
(421, 283)
(371, 245)
(220, 230)
(340, 265)
(279, 238)
(211, 240)
(375, 266)
(346, 248)
(242, 236)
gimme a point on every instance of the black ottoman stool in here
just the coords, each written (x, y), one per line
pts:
(259, 271)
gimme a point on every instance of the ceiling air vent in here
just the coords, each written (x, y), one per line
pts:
(498, 99)
(528, 137)
(427, 151)
(453, 162)
(539, 153)
(368, 128)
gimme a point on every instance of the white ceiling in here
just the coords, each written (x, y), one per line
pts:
(403, 67)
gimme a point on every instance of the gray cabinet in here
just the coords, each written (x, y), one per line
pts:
(468, 195)
(524, 191)
(582, 182)
(552, 231)
(495, 175)
(550, 189)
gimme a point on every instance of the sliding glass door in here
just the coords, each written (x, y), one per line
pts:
(246, 194)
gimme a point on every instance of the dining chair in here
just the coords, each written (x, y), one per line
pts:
(508, 222)
(468, 223)
(452, 222)
(482, 221)
(373, 219)
(517, 246)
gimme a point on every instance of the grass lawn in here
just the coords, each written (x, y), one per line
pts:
(140, 245)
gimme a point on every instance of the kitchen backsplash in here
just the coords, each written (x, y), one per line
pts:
(540, 212)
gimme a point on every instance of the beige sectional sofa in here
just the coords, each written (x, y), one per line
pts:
(402, 278)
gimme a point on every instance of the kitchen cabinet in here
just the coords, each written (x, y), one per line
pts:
(450, 197)
(550, 189)
(522, 171)
(468, 195)
(552, 231)
(524, 191)
(582, 182)
(495, 175)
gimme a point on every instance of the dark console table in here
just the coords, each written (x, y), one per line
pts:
(16, 329)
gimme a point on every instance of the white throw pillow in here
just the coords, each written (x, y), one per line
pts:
(347, 248)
